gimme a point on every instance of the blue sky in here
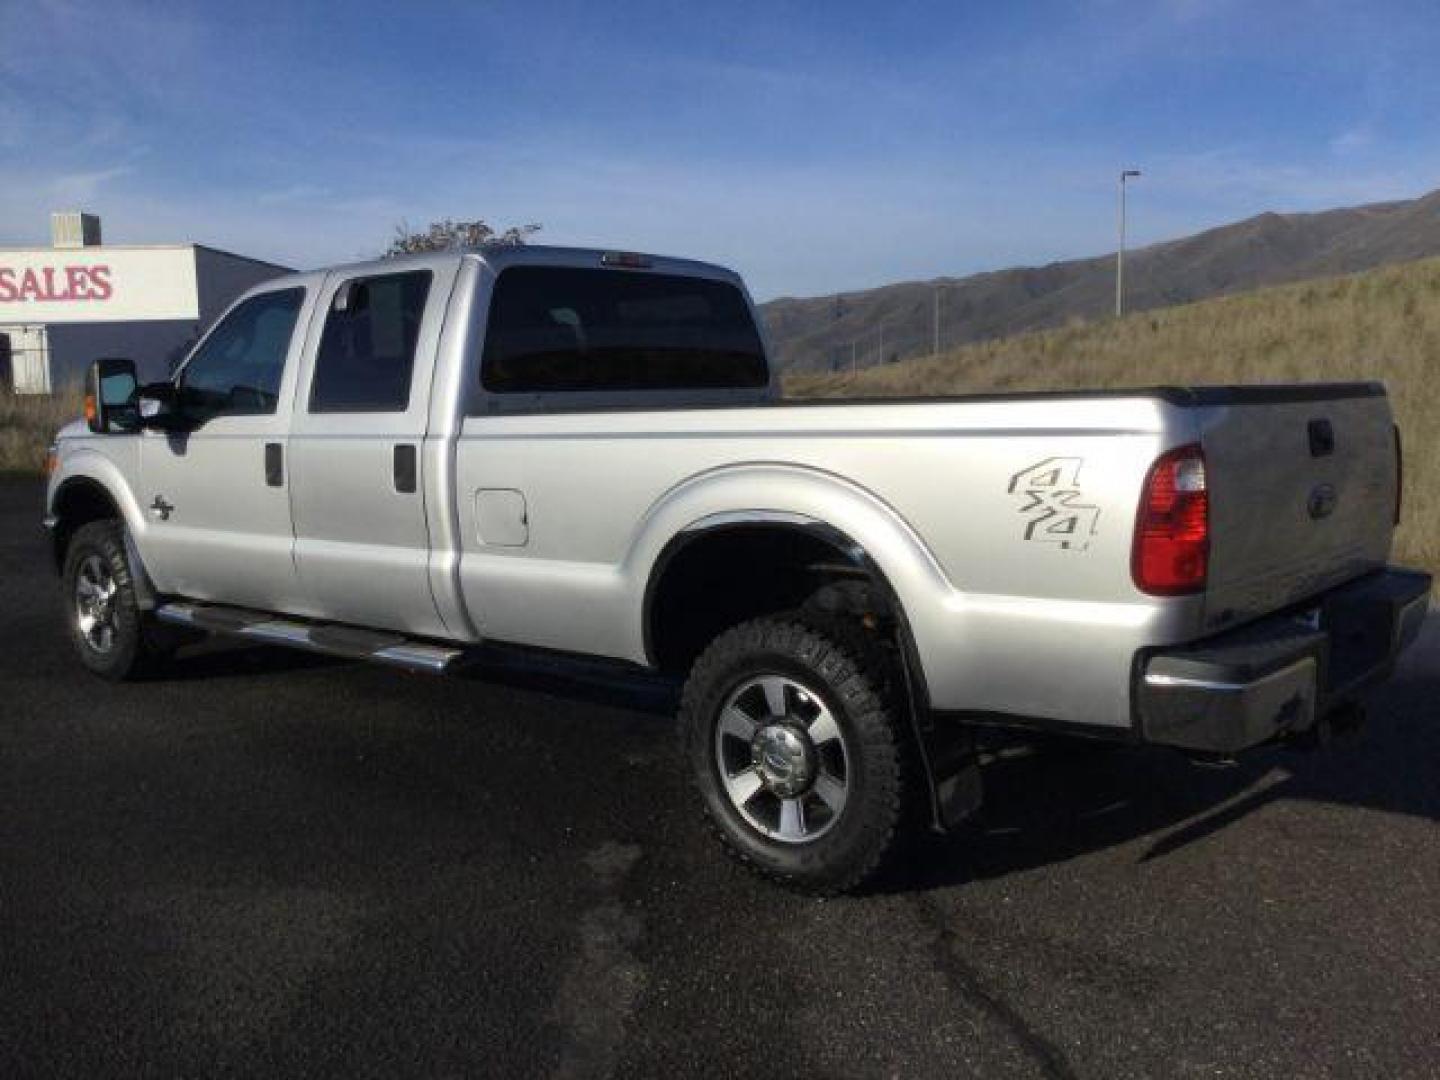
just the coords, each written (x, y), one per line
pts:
(814, 147)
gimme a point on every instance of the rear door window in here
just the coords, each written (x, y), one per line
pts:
(572, 329)
(367, 350)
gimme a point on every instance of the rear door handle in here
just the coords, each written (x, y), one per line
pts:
(404, 468)
(274, 464)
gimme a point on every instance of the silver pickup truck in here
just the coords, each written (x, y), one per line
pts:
(585, 452)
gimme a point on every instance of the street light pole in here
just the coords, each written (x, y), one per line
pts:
(935, 350)
(1120, 252)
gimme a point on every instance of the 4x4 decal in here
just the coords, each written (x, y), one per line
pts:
(1053, 506)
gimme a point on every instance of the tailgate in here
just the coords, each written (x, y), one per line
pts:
(1302, 487)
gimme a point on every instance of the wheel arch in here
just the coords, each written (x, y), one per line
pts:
(93, 489)
(854, 525)
(805, 511)
(790, 537)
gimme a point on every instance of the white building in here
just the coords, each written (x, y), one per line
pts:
(68, 304)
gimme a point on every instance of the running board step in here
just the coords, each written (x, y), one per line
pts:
(332, 639)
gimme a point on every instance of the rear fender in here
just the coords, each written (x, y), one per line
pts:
(865, 531)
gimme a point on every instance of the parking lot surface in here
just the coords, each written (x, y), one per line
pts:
(272, 864)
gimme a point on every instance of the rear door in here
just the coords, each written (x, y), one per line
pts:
(362, 545)
(216, 499)
(1302, 493)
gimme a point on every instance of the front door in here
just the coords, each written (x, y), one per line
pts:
(216, 498)
(362, 544)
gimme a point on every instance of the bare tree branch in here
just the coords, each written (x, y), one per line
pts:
(451, 235)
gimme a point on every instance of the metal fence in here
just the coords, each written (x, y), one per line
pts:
(24, 360)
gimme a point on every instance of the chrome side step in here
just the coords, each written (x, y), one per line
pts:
(332, 639)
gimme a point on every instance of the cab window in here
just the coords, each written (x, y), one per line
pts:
(367, 352)
(237, 370)
(563, 329)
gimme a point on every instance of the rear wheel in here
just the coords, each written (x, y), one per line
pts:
(112, 636)
(799, 752)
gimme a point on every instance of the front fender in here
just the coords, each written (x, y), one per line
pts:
(86, 464)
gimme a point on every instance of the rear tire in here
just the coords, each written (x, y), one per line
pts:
(112, 636)
(800, 752)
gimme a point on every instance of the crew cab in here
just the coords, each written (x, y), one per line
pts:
(586, 452)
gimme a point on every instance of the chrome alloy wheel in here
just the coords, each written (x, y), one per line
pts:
(782, 759)
(96, 597)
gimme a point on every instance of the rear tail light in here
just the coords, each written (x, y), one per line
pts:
(1172, 530)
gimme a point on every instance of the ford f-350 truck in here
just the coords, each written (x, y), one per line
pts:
(585, 452)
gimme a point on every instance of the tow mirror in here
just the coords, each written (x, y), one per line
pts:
(159, 408)
(110, 388)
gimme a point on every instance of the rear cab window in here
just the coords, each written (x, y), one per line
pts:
(585, 331)
(366, 358)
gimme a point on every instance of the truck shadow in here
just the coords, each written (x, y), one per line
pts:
(222, 658)
(1046, 801)
(1059, 801)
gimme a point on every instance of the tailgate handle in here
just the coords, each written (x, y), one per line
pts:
(1322, 438)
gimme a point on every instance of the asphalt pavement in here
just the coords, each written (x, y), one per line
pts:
(273, 864)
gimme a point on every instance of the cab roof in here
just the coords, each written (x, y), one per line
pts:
(499, 256)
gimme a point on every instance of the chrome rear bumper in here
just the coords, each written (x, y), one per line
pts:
(1277, 676)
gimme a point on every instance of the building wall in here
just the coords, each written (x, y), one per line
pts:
(148, 304)
(222, 277)
(98, 284)
(155, 346)
(24, 359)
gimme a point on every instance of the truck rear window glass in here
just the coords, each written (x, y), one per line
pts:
(554, 329)
(367, 352)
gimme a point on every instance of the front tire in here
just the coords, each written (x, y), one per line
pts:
(112, 636)
(800, 753)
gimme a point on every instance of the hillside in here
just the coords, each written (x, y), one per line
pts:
(1266, 250)
(1382, 324)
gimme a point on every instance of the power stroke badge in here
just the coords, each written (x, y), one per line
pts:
(1053, 504)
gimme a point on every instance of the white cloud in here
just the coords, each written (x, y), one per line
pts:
(84, 187)
(1235, 176)
(1352, 141)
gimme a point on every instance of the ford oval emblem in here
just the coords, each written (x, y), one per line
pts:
(1322, 501)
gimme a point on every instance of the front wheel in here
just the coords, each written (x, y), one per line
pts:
(799, 751)
(112, 636)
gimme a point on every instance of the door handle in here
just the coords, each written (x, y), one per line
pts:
(274, 464)
(1322, 438)
(405, 468)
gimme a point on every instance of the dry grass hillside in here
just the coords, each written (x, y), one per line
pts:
(1382, 324)
(813, 334)
(27, 424)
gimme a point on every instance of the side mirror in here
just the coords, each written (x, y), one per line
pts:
(159, 408)
(110, 396)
